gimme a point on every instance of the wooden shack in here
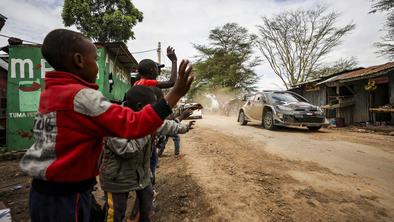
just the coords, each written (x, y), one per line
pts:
(355, 96)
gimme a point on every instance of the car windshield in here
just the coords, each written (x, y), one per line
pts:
(284, 97)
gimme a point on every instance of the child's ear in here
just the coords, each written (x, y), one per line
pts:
(78, 60)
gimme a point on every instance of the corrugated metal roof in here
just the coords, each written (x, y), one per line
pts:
(122, 54)
(324, 78)
(306, 82)
(362, 73)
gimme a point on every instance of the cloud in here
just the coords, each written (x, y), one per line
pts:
(30, 20)
(179, 23)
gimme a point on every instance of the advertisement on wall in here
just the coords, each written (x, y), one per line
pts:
(25, 81)
(26, 73)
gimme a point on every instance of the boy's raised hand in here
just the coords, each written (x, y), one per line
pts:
(185, 114)
(182, 83)
(197, 106)
(191, 124)
(171, 54)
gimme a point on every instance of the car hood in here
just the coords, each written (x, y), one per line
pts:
(298, 105)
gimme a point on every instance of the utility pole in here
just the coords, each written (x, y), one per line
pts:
(159, 53)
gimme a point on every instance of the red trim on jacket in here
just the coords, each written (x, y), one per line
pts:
(146, 82)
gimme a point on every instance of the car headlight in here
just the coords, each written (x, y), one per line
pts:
(319, 110)
(284, 108)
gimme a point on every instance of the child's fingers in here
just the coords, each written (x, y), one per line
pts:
(182, 68)
(190, 81)
(189, 69)
(170, 51)
(187, 72)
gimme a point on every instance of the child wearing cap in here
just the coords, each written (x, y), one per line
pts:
(148, 70)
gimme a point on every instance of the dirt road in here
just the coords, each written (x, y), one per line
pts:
(228, 172)
(246, 173)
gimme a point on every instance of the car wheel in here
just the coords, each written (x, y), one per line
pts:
(314, 128)
(269, 120)
(241, 118)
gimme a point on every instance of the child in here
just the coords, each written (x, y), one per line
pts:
(148, 71)
(72, 119)
(126, 165)
(177, 113)
(181, 116)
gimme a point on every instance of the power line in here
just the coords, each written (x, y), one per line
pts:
(6, 36)
(150, 50)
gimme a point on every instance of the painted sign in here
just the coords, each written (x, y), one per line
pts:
(25, 80)
(26, 75)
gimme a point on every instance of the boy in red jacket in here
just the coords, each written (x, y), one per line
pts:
(72, 119)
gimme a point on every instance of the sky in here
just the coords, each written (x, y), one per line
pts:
(180, 23)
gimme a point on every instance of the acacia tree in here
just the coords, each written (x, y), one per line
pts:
(102, 20)
(386, 46)
(227, 61)
(295, 42)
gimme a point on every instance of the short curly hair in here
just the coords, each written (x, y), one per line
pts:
(60, 44)
(139, 95)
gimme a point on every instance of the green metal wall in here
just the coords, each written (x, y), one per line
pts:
(121, 78)
(25, 83)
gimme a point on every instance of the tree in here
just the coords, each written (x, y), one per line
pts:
(227, 61)
(102, 20)
(386, 46)
(295, 42)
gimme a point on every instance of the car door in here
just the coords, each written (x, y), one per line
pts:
(258, 107)
(248, 108)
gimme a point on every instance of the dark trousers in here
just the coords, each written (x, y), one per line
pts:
(143, 204)
(116, 205)
(59, 208)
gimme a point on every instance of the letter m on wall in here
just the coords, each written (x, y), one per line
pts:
(23, 64)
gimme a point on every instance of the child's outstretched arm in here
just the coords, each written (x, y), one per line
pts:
(170, 83)
(114, 120)
(172, 127)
